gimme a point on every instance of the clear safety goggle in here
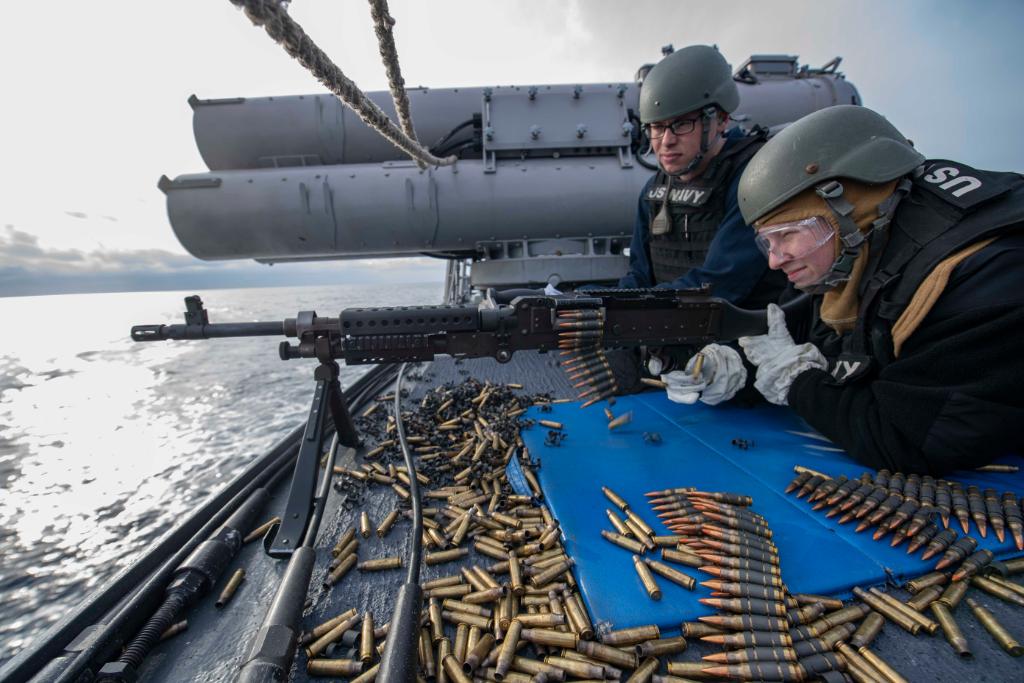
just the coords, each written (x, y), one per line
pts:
(794, 239)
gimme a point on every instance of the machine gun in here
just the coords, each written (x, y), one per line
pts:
(590, 320)
(583, 324)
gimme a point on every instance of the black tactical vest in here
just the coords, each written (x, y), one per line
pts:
(696, 209)
(950, 207)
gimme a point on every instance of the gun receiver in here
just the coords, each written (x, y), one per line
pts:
(359, 336)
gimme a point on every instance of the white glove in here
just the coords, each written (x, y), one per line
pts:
(721, 376)
(551, 290)
(778, 358)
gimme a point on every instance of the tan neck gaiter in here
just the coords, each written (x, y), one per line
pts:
(839, 306)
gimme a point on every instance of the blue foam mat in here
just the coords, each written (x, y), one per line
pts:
(817, 555)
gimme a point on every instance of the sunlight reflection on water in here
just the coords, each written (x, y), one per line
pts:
(105, 442)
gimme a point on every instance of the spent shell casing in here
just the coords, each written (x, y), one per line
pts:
(621, 420)
(995, 629)
(380, 564)
(456, 605)
(922, 599)
(697, 629)
(644, 672)
(888, 611)
(387, 523)
(343, 542)
(868, 630)
(661, 646)
(545, 636)
(607, 653)
(508, 648)
(329, 625)
(445, 556)
(620, 526)
(478, 653)
(805, 614)
(953, 594)
(1006, 583)
(261, 530)
(846, 615)
(631, 636)
(334, 667)
(576, 667)
(673, 575)
(453, 670)
(366, 639)
(927, 624)
(950, 629)
(811, 598)
(997, 590)
(682, 557)
(343, 568)
(837, 634)
(174, 629)
(882, 666)
(929, 579)
(649, 584)
(628, 543)
(364, 524)
(232, 585)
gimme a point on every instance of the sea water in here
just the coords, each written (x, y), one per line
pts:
(105, 442)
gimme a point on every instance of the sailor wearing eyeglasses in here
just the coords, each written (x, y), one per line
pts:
(689, 231)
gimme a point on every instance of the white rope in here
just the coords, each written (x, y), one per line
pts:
(272, 15)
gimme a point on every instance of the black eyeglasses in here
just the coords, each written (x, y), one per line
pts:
(678, 127)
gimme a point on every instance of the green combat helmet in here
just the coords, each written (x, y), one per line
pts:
(688, 80)
(696, 78)
(844, 141)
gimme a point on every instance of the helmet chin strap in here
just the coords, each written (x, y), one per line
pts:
(852, 238)
(707, 115)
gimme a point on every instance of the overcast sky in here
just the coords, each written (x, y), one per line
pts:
(95, 100)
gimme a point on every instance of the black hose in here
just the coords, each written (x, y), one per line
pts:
(398, 662)
(416, 547)
(448, 136)
(457, 147)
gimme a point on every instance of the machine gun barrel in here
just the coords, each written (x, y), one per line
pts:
(207, 331)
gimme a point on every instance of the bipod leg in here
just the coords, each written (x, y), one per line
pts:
(327, 401)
